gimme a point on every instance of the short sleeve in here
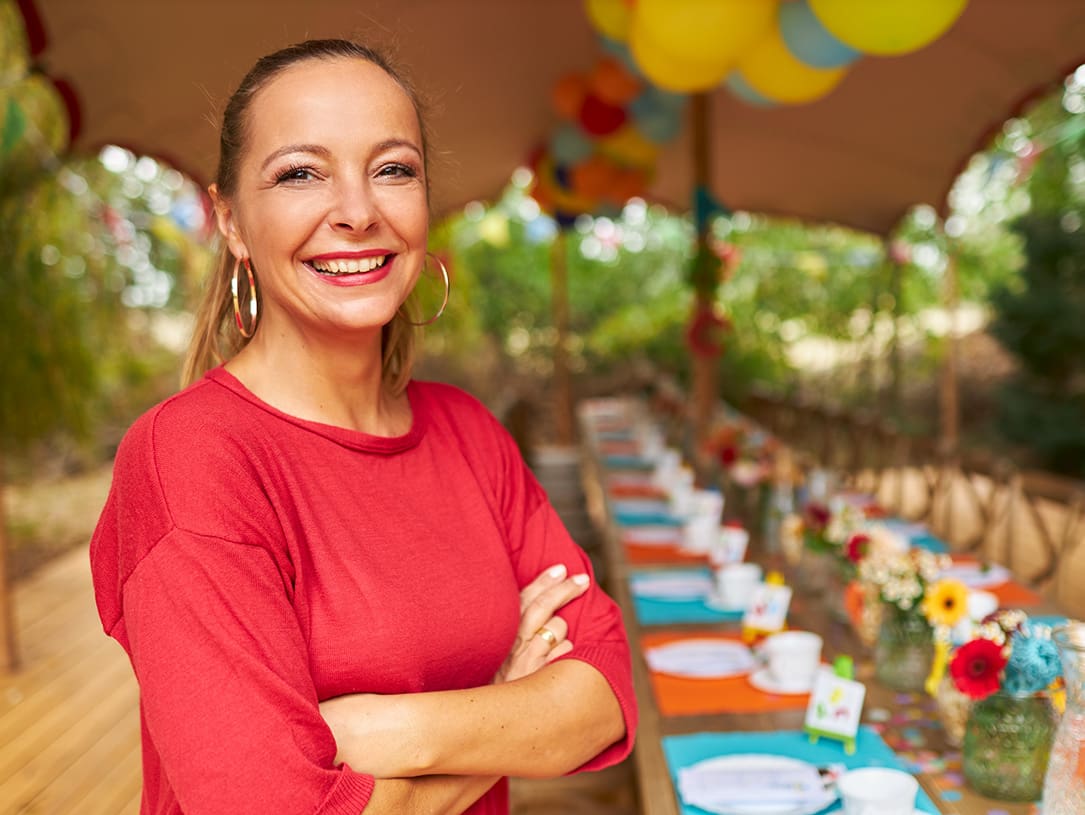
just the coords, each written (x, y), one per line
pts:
(225, 689)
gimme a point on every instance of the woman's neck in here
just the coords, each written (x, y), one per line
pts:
(332, 382)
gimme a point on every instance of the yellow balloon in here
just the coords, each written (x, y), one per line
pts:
(887, 27)
(610, 18)
(629, 147)
(673, 72)
(771, 70)
(709, 31)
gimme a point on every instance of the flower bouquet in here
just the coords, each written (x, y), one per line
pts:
(901, 580)
(1008, 669)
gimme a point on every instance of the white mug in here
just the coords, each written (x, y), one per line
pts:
(729, 546)
(736, 583)
(878, 791)
(699, 532)
(793, 658)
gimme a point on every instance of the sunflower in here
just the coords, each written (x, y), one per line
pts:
(946, 603)
(976, 667)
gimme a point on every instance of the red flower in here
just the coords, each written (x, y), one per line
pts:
(816, 516)
(976, 667)
(857, 546)
(728, 455)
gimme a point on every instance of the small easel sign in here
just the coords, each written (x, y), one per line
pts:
(836, 704)
(767, 611)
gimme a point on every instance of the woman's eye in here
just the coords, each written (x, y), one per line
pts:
(295, 174)
(397, 171)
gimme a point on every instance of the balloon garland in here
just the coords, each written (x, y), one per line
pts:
(615, 117)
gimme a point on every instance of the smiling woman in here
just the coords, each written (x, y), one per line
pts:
(342, 590)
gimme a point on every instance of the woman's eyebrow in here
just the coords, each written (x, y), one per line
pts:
(388, 144)
(315, 149)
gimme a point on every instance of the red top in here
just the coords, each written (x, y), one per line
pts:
(252, 564)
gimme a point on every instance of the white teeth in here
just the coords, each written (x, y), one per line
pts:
(352, 266)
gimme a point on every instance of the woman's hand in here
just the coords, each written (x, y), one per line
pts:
(539, 603)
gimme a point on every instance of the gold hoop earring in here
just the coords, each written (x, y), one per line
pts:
(444, 302)
(253, 308)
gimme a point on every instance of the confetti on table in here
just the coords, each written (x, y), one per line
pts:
(952, 779)
(905, 698)
(878, 714)
(951, 795)
(998, 812)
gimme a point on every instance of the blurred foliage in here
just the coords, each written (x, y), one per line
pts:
(95, 264)
(1039, 315)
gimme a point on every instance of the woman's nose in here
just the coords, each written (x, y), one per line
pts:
(353, 208)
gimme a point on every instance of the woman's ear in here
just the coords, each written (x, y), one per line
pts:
(227, 223)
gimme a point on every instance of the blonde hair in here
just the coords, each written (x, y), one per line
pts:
(215, 337)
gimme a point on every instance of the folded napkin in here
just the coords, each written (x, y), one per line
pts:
(743, 783)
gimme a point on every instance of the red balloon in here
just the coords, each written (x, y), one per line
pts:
(600, 118)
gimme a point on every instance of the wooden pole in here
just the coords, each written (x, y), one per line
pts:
(949, 401)
(704, 367)
(563, 390)
(10, 648)
(896, 291)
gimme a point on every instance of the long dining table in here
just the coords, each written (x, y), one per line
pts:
(681, 720)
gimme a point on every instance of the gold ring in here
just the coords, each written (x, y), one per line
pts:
(549, 636)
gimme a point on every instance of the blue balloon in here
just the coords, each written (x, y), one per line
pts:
(738, 85)
(569, 145)
(658, 126)
(621, 52)
(809, 41)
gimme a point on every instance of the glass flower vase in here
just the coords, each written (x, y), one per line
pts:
(1064, 785)
(904, 651)
(1007, 743)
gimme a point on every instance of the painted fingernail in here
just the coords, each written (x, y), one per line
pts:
(557, 571)
(581, 579)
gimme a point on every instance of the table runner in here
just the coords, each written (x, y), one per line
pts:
(683, 696)
(871, 751)
(653, 611)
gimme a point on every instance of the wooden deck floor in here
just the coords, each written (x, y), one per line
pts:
(69, 726)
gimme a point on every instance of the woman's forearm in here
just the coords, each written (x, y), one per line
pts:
(543, 725)
(433, 795)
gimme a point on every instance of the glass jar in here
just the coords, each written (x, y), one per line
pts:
(1007, 743)
(904, 651)
(953, 708)
(1064, 785)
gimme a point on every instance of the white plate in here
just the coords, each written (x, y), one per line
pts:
(748, 764)
(701, 658)
(764, 681)
(672, 587)
(975, 576)
(652, 535)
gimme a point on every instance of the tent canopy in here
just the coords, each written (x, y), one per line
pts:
(153, 76)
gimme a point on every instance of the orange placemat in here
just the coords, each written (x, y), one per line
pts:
(641, 554)
(680, 696)
(637, 491)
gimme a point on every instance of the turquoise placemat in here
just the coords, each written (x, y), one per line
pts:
(930, 543)
(652, 611)
(871, 751)
(642, 517)
(627, 463)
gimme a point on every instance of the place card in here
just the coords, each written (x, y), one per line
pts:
(836, 705)
(767, 609)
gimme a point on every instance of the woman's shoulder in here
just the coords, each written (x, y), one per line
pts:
(440, 400)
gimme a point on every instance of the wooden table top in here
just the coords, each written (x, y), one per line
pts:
(947, 790)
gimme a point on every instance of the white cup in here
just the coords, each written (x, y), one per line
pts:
(979, 605)
(708, 502)
(736, 584)
(699, 532)
(793, 658)
(729, 546)
(878, 791)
